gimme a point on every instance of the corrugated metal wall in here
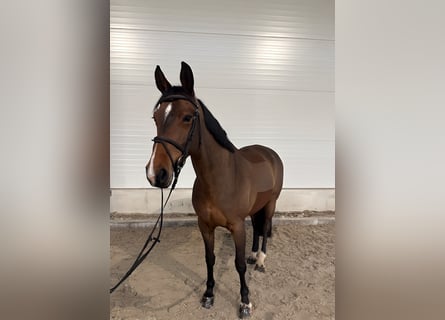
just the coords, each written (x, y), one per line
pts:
(265, 69)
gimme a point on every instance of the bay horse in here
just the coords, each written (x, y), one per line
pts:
(231, 184)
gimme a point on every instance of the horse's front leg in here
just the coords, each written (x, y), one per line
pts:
(239, 236)
(208, 235)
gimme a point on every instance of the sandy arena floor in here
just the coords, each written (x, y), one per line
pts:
(298, 283)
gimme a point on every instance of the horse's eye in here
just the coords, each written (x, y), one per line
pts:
(187, 118)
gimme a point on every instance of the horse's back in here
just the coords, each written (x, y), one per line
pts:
(263, 158)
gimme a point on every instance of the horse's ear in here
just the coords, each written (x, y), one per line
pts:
(187, 78)
(161, 81)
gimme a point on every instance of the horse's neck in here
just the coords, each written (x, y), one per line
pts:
(212, 162)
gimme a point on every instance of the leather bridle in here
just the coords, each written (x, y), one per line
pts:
(184, 149)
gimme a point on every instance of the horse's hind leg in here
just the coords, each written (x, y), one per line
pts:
(257, 225)
(208, 235)
(269, 211)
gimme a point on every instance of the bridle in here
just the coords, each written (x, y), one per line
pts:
(179, 163)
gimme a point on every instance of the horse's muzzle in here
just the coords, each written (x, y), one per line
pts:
(160, 179)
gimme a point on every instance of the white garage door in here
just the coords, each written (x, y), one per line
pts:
(264, 68)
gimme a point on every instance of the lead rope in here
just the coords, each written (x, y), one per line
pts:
(177, 167)
(141, 256)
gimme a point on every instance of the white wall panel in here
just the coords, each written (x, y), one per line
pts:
(312, 19)
(224, 61)
(265, 70)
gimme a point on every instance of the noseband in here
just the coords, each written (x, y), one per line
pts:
(179, 164)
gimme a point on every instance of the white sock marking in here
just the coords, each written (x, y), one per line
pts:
(242, 304)
(260, 259)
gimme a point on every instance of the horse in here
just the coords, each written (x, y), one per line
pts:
(231, 184)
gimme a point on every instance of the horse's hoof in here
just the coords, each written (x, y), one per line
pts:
(245, 310)
(207, 302)
(251, 260)
(260, 268)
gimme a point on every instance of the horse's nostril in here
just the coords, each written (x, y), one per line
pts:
(162, 177)
(162, 173)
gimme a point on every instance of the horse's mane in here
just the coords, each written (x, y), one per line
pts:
(211, 123)
(216, 130)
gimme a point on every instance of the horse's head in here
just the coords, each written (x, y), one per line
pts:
(176, 117)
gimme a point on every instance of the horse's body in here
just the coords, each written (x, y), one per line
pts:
(231, 184)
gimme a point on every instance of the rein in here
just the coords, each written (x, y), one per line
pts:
(142, 255)
(177, 167)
